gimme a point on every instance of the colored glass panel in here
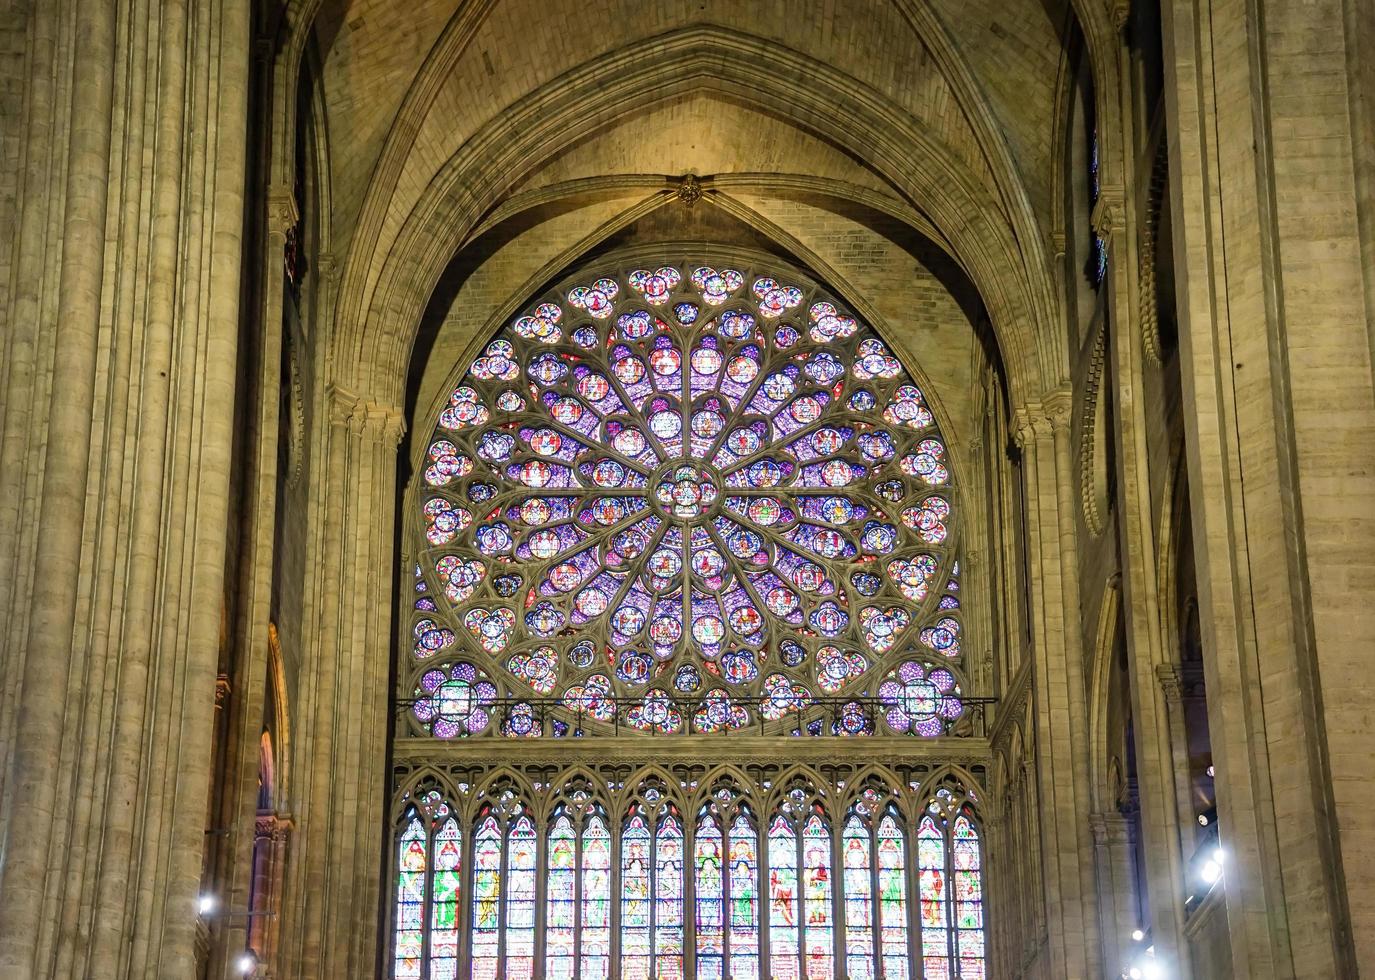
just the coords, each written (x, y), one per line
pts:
(711, 891)
(819, 937)
(784, 904)
(743, 889)
(892, 899)
(677, 458)
(560, 927)
(486, 926)
(444, 899)
(636, 951)
(595, 938)
(410, 900)
(857, 888)
(520, 900)
(932, 894)
(668, 901)
(969, 931)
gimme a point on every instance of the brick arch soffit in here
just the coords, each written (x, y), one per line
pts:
(378, 309)
(1100, 694)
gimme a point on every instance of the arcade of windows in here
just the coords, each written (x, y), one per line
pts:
(692, 502)
(645, 878)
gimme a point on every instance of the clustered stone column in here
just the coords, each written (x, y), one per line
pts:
(341, 723)
(1042, 433)
(118, 401)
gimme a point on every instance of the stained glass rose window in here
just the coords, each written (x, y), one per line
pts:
(685, 481)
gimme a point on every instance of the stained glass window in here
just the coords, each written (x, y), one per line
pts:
(857, 861)
(410, 900)
(486, 930)
(647, 485)
(560, 924)
(828, 882)
(448, 854)
(595, 940)
(784, 903)
(969, 935)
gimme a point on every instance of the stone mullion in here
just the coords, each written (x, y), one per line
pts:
(1137, 551)
(40, 723)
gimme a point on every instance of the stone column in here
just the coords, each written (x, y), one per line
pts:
(1138, 549)
(1061, 744)
(340, 747)
(111, 752)
(1273, 273)
(1113, 842)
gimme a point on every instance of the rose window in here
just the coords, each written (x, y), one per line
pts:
(683, 499)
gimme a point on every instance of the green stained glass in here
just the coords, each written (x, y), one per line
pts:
(410, 901)
(744, 900)
(635, 909)
(892, 897)
(446, 886)
(711, 933)
(520, 899)
(816, 887)
(931, 879)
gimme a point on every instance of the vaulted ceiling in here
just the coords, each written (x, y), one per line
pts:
(893, 143)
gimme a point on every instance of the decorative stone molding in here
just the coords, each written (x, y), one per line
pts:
(1056, 407)
(1151, 342)
(1121, 10)
(222, 690)
(369, 420)
(689, 190)
(1107, 214)
(1089, 490)
(1171, 683)
(282, 212)
(296, 411)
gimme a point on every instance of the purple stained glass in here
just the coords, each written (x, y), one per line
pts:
(687, 465)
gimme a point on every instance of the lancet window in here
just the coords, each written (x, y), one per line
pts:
(608, 878)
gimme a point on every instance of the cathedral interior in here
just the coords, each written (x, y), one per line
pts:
(737, 489)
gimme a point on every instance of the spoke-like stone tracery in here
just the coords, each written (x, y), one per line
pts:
(686, 484)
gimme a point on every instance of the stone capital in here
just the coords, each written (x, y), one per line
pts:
(282, 212)
(1171, 682)
(1057, 406)
(1107, 214)
(366, 419)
